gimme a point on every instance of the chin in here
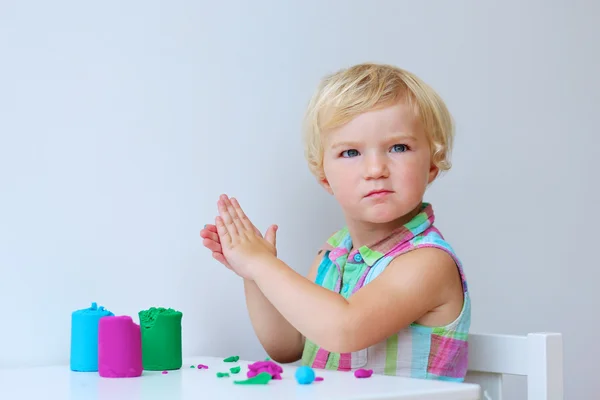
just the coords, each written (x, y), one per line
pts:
(384, 216)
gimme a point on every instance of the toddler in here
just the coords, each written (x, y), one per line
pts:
(386, 292)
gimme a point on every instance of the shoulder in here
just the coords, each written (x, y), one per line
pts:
(424, 261)
(428, 272)
(430, 259)
(432, 237)
(422, 279)
(429, 265)
(432, 244)
(433, 274)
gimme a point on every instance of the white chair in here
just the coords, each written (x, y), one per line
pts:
(538, 356)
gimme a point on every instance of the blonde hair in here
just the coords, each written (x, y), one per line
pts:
(349, 92)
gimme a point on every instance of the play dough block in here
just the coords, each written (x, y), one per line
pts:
(232, 359)
(119, 348)
(84, 337)
(161, 338)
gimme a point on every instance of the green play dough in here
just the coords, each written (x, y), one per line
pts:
(235, 370)
(222, 374)
(261, 379)
(232, 359)
(161, 338)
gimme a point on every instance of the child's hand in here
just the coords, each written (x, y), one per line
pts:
(240, 241)
(211, 242)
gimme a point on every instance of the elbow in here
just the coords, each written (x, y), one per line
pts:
(342, 339)
(285, 354)
(283, 358)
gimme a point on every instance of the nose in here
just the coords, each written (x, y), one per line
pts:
(376, 167)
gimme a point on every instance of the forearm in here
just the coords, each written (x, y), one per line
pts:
(279, 338)
(318, 313)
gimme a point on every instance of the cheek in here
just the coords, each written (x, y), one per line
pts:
(416, 174)
(336, 180)
(423, 166)
(340, 180)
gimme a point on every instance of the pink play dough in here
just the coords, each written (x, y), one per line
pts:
(265, 366)
(363, 373)
(119, 347)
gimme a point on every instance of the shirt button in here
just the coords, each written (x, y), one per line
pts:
(358, 258)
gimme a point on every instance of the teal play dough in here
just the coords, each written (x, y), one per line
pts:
(305, 375)
(84, 337)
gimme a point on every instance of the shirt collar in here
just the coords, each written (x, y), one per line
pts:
(340, 244)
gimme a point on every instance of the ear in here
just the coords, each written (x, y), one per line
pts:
(433, 173)
(325, 183)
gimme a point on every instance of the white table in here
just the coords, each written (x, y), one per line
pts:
(191, 383)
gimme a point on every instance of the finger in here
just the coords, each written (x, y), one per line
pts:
(242, 215)
(224, 236)
(271, 235)
(210, 235)
(210, 228)
(212, 245)
(221, 258)
(239, 225)
(226, 219)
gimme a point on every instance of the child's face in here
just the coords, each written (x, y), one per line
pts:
(379, 164)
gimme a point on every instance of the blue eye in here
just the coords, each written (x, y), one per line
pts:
(399, 148)
(349, 153)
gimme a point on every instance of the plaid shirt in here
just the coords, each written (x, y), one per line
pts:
(416, 351)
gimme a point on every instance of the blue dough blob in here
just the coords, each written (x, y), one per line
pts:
(305, 375)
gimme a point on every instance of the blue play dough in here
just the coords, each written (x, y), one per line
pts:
(305, 375)
(84, 338)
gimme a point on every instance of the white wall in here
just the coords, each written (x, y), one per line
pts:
(121, 123)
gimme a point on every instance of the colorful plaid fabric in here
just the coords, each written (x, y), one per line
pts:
(416, 351)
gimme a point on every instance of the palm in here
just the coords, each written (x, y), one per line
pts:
(211, 242)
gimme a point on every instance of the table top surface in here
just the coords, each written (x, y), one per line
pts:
(59, 382)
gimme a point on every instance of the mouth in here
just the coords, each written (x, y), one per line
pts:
(378, 193)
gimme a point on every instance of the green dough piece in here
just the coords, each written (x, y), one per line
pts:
(261, 379)
(191, 366)
(235, 370)
(222, 374)
(161, 339)
(232, 359)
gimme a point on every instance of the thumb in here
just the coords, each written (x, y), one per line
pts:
(271, 235)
